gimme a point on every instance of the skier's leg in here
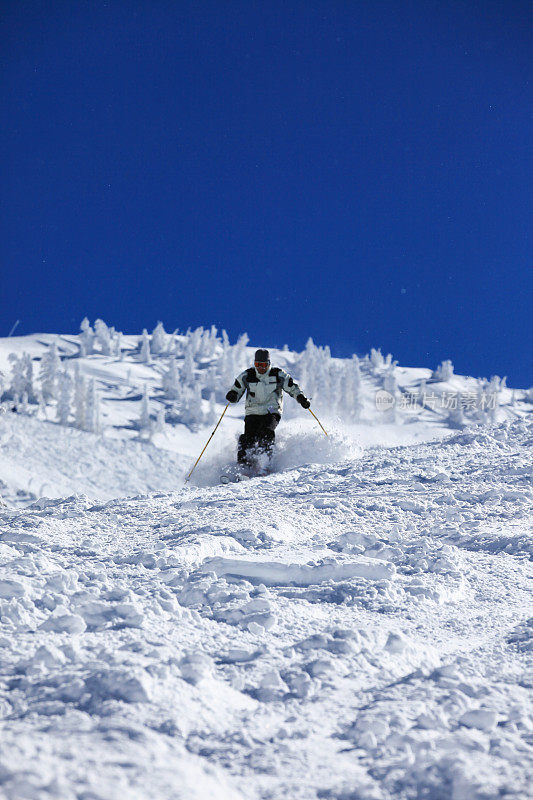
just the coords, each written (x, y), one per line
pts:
(249, 439)
(266, 435)
(244, 446)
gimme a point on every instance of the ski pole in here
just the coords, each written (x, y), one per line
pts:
(315, 416)
(203, 451)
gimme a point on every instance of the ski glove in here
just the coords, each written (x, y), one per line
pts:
(232, 396)
(304, 402)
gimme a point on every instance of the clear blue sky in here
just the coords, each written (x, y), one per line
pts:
(358, 172)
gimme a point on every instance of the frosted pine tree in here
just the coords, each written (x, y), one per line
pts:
(195, 341)
(117, 346)
(42, 405)
(481, 400)
(444, 371)
(223, 366)
(422, 391)
(324, 398)
(28, 375)
(173, 346)
(337, 395)
(351, 387)
(211, 379)
(171, 381)
(376, 360)
(23, 404)
(145, 356)
(80, 397)
(92, 408)
(50, 366)
(64, 397)
(205, 349)
(241, 361)
(390, 384)
(144, 417)
(456, 417)
(103, 337)
(160, 420)
(493, 397)
(159, 341)
(356, 371)
(86, 338)
(213, 341)
(195, 414)
(308, 369)
(188, 376)
(231, 370)
(21, 376)
(212, 415)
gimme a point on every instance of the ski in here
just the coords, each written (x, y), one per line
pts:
(238, 475)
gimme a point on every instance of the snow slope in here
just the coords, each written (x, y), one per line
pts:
(361, 629)
(40, 458)
(357, 625)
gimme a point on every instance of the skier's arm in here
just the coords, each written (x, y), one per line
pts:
(237, 390)
(291, 387)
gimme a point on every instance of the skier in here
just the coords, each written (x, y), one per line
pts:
(264, 386)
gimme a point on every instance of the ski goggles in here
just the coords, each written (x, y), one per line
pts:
(262, 364)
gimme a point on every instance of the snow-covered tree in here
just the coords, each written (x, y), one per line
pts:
(241, 360)
(226, 364)
(160, 420)
(211, 379)
(444, 371)
(117, 346)
(145, 355)
(50, 366)
(86, 337)
(23, 404)
(376, 359)
(481, 400)
(390, 384)
(456, 417)
(41, 403)
(194, 339)
(208, 344)
(191, 408)
(92, 408)
(144, 416)
(80, 398)
(21, 376)
(103, 337)
(171, 381)
(351, 386)
(159, 341)
(173, 345)
(214, 341)
(212, 415)
(188, 375)
(493, 394)
(64, 397)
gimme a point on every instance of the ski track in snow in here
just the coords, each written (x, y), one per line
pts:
(354, 630)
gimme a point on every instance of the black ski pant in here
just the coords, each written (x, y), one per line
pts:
(258, 434)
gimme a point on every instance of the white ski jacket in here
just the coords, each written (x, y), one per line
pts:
(264, 393)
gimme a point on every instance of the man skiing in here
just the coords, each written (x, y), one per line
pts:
(264, 386)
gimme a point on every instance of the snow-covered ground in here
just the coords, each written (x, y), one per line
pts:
(357, 625)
